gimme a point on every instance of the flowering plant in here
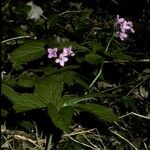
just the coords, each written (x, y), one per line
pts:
(70, 67)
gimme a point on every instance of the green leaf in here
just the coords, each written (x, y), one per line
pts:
(119, 55)
(26, 102)
(97, 46)
(8, 91)
(75, 46)
(81, 82)
(26, 80)
(4, 113)
(70, 67)
(10, 81)
(67, 77)
(86, 14)
(49, 70)
(101, 112)
(49, 90)
(93, 58)
(27, 52)
(21, 10)
(46, 91)
(73, 100)
(62, 118)
(52, 19)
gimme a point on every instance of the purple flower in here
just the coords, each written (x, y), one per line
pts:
(122, 35)
(124, 28)
(61, 60)
(52, 52)
(127, 26)
(68, 51)
(119, 20)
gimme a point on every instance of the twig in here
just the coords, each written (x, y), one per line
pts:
(100, 139)
(22, 136)
(90, 142)
(137, 86)
(126, 61)
(36, 131)
(135, 114)
(67, 11)
(145, 146)
(49, 147)
(115, 132)
(27, 139)
(86, 145)
(15, 38)
(44, 17)
(81, 132)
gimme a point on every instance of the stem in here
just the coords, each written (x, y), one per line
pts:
(98, 75)
(102, 64)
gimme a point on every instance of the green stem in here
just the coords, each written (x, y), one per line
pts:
(102, 64)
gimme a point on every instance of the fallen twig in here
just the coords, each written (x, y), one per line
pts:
(135, 114)
(15, 38)
(78, 132)
(115, 132)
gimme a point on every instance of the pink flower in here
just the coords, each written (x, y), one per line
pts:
(68, 51)
(52, 52)
(124, 27)
(127, 26)
(119, 20)
(122, 35)
(61, 60)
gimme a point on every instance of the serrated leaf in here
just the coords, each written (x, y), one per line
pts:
(10, 81)
(26, 102)
(93, 58)
(119, 55)
(27, 80)
(45, 92)
(27, 52)
(99, 111)
(8, 91)
(62, 118)
(97, 47)
(67, 77)
(49, 90)
(22, 102)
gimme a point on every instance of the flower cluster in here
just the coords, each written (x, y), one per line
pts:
(124, 27)
(62, 57)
